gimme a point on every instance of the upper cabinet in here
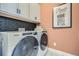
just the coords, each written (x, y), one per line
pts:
(9, 8)
(22, 11)
(35, 11)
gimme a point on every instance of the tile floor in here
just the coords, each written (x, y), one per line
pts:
(57, 53)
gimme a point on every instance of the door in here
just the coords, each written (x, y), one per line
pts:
(10, 8)
(24, 9)
(44, 41)
(28, 46)
(34, 11)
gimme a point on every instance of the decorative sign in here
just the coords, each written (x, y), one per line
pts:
(62, 16)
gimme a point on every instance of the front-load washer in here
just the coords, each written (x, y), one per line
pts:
(43, 42)
(19, 43)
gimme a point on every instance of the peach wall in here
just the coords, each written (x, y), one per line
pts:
(67, 38)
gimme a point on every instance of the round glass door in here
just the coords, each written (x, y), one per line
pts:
(44, 41)
(26, 47)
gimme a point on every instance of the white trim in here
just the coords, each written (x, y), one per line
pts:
(59, 53)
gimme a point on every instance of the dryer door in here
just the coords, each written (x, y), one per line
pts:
(44, 41)
(26, 47)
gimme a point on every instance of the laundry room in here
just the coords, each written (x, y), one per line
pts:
(39, 29)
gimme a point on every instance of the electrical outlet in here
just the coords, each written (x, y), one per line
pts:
(54, 44)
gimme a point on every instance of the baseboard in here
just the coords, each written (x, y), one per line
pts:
(60, 53)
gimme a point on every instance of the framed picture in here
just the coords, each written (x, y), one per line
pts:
(63, 16)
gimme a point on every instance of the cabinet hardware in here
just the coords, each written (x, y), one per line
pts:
(35, 18)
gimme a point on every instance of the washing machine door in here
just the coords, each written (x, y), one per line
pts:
(26, 47)
(44, 41)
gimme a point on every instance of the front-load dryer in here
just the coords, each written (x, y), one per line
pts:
(43, 43)
(19, 43)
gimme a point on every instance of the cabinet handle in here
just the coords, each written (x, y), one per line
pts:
(20, 11)
(17, 10)
(35, 18)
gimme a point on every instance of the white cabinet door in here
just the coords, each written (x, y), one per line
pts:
(9, 7)
(34, 11)
(29, 11)
(3, 7)
(23, 9)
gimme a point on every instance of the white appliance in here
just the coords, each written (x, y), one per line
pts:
(19, 43)
(0, 46)
(43, 42)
